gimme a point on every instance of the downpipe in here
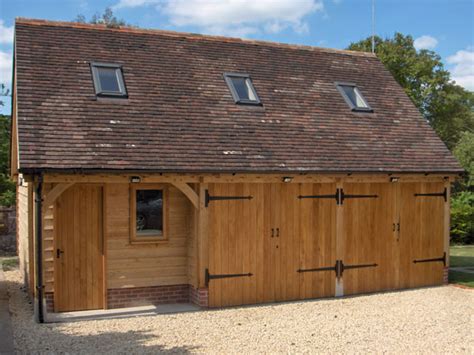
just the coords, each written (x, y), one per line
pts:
(39, 294)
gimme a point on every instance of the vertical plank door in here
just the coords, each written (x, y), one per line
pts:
(369, 238)
(421, 234)
(317, 240)
(236, 244)
(79, 249)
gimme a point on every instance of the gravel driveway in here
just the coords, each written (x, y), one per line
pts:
(431, 320)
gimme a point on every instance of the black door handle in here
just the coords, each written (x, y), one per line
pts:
(278, 232)
(58, 253)
(273, 232)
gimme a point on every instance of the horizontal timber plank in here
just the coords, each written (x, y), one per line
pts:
(247, 178)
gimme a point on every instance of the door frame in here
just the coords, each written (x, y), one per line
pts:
(103, 259)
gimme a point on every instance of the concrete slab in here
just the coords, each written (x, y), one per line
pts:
(121, 312)
(6, 338)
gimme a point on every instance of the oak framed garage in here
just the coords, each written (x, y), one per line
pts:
(145, 182)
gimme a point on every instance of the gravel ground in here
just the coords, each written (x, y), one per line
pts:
(431, 320)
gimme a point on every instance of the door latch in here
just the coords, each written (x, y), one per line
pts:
(58, 253)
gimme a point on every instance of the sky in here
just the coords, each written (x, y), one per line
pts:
(445, 26)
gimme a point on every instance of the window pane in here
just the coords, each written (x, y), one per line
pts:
(354, 96)
(149, 213)
(243, 88)
(108, 79)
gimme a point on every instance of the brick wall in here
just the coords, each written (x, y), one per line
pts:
(199, 296)
(49, 298)
(141, 296)
(144, 296)
(446, 275)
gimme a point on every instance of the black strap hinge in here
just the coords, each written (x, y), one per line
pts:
(209, 198)
(343, 196)
(443, 194)
(442, 259)
(339, 268)
(210, 277)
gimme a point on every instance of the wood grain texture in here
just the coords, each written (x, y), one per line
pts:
(140, 265)
(79, 268)
(422, 235)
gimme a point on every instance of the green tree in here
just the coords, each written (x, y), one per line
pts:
(464, 152)
(7, 187)
(3, 93)
(107, 18)
(448, 107)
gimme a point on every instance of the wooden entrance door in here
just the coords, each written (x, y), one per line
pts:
(236, 244)
(369, 237)
(421, 234)
(79, 249)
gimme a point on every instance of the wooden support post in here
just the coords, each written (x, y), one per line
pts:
(54, 193)
(202, 236)
(339, 240)
(447, 219)
(188, 192)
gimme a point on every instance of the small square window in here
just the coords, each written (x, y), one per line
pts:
(108, 80)
(353, 97)
(241, 88)
(148, 218)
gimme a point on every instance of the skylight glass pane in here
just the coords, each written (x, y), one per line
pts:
(108, 79)
(243, 89)
(354, 96)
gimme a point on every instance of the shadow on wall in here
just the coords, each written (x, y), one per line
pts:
(69, 337)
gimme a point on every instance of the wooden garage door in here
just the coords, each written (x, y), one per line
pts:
(79, 249)
(272, 236)
(317, 244)
(421, 234)
(369, 238)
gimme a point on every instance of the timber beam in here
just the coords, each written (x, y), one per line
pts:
(54, 193)
(245, 178)
(188, 192)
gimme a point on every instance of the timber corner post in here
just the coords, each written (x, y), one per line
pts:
(447, 225)
(339, 288)
(203, 241)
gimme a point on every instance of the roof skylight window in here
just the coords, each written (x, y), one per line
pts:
(353, 97)
(241, 88)
(108, 80)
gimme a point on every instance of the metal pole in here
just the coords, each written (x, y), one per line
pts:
(373, 26)
(39, 311)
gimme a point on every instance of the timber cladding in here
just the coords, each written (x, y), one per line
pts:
(267, 242)
(275, 242)
(147, 264)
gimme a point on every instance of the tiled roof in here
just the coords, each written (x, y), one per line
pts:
(180, 115)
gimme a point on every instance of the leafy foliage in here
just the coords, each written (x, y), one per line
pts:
(462, 218)
(464, 152)
(7, 187)
(3, 92)
(448, 107)
(107, 18)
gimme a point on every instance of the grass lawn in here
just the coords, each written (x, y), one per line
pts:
(462, 256)
(8, 262)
